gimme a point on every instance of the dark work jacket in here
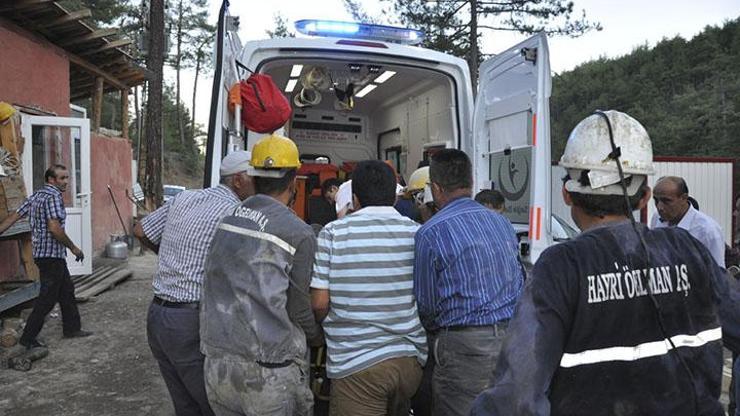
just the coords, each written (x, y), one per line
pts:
(585, 339)
(255, 302)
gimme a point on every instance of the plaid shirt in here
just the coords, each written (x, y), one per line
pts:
(44, 205)
(184, 227)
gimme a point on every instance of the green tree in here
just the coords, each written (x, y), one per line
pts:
(281, 29)
(186, 18)
(685, 93)
(104, 12)
(454, 26)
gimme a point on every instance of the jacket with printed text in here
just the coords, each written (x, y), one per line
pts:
(585, 338)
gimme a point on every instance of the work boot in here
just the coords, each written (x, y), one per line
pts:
(32, 344)
(78, 334)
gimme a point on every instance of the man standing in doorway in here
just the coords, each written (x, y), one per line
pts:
(180, 232)
(256, 315)
(50, 243)
(467, 279)
(671, 197)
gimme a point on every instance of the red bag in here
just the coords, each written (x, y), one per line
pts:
(264, 107)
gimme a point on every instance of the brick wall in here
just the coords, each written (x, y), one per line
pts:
(35, 73)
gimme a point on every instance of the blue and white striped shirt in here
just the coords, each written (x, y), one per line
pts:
(184, 227)
(467, 270)
(366, 262)
(44, 205)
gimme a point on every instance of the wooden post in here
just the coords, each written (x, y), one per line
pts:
(97, 104)
(32, 272)
(124, 113)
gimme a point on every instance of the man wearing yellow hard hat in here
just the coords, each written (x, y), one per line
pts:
(256, 313)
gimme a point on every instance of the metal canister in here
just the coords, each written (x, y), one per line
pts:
(117, 247)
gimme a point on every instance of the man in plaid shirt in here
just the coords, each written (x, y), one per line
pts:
(181, 232)
(45, 209)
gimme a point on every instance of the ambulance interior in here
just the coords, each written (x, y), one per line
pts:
(348, 111)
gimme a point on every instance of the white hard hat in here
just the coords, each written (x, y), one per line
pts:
(418, 179)
(589, 148)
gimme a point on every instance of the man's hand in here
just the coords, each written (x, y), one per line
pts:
(143, 239)
(57, 231)
(320, 303)
(8, 221)
(79, 255)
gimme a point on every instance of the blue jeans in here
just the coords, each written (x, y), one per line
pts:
(464, 361)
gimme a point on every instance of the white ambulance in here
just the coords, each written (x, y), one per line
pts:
(406, 102)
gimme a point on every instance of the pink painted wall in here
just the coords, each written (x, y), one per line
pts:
(35, 73)
(110, 165)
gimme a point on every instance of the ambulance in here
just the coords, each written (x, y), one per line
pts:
(361, 91)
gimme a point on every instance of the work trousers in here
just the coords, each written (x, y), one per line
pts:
(464, 361)
(174, 339)
(56, 286)
(385, 388)
(237, 387)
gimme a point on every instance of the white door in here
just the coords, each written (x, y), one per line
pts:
(64, 141)
(511, 130)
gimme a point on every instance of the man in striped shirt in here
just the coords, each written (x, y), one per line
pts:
(362, 290)
(181, 232)
(467, 279)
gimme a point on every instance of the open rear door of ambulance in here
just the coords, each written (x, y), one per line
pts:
(511, 133)
(225, 133)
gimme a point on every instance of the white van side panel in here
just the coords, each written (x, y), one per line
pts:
(424, 118)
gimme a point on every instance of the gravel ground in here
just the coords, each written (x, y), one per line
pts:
(110, 373)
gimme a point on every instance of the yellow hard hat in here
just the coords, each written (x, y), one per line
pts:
(272, 153)
(6, 111)
(418, 179)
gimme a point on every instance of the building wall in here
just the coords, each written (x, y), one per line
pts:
(35, 73)
(110, 165)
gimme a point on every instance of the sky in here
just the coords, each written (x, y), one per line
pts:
(626, 24)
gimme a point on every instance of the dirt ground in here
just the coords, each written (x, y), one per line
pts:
(110, 373)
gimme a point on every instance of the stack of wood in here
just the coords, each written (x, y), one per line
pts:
(12, 189)
(102, 279)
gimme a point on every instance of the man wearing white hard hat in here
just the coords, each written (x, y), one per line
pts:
(181, 232)
(621, 320)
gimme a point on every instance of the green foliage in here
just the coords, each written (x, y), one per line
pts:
(449, 26)
(685, 93)
(280, 29)
(104, 12)
(171, 135)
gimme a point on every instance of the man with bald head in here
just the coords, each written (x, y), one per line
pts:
(671, 196)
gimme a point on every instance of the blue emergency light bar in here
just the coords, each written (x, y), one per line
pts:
(331, 28)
